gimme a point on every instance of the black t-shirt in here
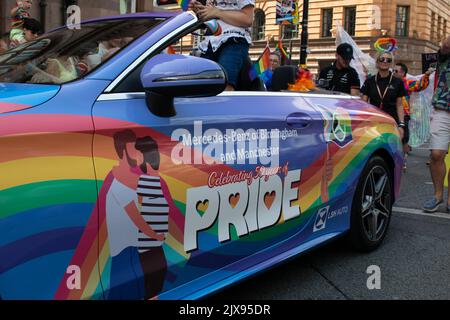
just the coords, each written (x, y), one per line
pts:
(396, 90)
(340, 80)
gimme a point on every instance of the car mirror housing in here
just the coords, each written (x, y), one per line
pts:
(167, 76)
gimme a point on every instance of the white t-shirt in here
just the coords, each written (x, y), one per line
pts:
(228, 30)
(122, 232)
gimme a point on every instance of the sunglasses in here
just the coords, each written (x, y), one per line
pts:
(383, 59)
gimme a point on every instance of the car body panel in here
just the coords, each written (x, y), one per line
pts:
(56, 176)
(16, 96)
(49, 163)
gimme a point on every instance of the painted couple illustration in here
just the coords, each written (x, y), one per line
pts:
(137, 206)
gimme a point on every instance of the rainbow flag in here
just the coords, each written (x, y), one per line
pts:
(261, 65)
(285, 59)
(184, 4)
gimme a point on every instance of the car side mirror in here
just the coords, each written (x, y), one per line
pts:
(167, 76)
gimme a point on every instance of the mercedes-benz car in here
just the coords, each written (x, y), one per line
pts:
(127, 172)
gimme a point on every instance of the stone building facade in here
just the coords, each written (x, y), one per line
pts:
(418, 25)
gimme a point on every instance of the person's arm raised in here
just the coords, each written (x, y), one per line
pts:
(242, 18)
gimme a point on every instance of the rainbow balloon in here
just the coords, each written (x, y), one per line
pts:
(391, 42)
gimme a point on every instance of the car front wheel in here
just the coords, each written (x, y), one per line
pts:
(372, 206)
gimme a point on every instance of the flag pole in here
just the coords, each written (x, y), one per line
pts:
(304, 40)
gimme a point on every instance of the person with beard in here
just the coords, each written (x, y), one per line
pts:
(124, 222)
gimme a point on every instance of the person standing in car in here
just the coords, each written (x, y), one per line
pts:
(340, 76)
(230, 47)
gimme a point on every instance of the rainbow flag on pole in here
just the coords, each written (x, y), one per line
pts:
(261, 65)
(285, 59)
(184, 4)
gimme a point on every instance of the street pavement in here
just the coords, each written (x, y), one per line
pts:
(414, 259)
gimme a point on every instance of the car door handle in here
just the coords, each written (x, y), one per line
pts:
(299, 120)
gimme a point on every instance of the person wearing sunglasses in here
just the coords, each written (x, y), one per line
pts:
(340, 76)
(385, 91)
(440, 129)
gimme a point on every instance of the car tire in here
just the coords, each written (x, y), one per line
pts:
(372, 206)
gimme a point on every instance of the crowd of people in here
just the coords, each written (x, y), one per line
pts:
(23, 27)
(388, 89)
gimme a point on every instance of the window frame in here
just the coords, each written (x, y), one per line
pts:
(325, 32)
(402, 25)
(259, 30)
(293, 33)
(346, 20)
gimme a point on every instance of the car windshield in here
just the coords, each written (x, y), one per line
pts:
(66, 55)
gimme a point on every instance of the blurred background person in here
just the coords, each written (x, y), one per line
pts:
(4, 42)
(18, 14)
(400, 72)
(340, 76)
(440, 129)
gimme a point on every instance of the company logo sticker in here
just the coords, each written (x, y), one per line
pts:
(321, 219)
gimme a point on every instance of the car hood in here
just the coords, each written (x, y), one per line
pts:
(19, 96)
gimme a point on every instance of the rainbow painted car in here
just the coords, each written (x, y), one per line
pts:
(127, 173)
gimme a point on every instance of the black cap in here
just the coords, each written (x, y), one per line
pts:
(345, 51)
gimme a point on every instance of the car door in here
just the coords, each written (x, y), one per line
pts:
(242, 172)
(47, 192)
(344, 131)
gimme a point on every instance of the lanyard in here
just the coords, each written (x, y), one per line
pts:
(385, 91)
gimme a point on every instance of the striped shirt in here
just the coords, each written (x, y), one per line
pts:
(154, 210)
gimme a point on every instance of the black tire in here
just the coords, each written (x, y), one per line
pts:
(372, 206)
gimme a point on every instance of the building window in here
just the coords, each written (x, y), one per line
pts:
(445, 29)
(127, 6)
(327, 22)
(259, 25)
(439, 28)
(350, 20)
(402, 21)
(433, 27)
(289, 31)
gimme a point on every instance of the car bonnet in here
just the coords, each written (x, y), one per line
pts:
(17, 96)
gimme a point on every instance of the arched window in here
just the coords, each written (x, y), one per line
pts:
(259, 25)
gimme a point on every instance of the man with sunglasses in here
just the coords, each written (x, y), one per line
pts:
(440, 129)
(385, 91)
(340, 76)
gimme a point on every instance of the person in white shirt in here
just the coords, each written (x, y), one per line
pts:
(230, 48)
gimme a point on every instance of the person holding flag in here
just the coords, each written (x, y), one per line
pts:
(284, 56)
(230, 48)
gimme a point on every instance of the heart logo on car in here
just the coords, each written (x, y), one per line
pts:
(202, 206)
(269, 198)
(234, 199)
